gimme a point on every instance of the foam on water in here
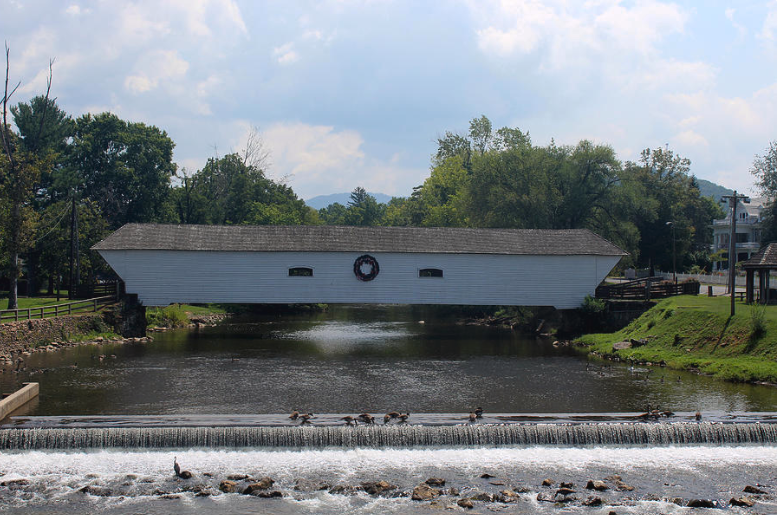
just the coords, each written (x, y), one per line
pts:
(137, 479)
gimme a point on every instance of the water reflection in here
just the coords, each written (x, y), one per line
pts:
(355, 359)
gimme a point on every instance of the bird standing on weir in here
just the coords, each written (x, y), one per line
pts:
(176, 468)
(367, 418)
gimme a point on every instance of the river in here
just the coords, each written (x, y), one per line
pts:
(352, 359)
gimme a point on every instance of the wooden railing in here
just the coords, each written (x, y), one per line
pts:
(648, 288)
(55, 310)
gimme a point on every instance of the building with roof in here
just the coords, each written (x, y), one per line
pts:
(749, 231)
(163, 264)
(762, 263)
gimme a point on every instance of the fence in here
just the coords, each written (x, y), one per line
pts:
(718, 278)
(70, 308)
(648, 288)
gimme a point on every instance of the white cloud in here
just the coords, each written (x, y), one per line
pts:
(156, 67)
(286, 54)
(312, 150)
(139, 84)
(318, 159)
(741, 30)
(769, 27)
(689, 139)
(200, 15)
(73, 10)
(564, 32)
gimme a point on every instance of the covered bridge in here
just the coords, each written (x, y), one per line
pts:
(375, 265)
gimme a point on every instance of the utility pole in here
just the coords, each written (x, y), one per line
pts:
(74, 257)
(733, 200)
(672, 225)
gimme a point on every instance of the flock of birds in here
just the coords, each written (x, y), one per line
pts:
(367, 418)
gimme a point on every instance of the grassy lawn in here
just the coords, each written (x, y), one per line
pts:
(34, 302)
(696, 332)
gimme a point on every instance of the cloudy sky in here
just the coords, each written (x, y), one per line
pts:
(353, 93)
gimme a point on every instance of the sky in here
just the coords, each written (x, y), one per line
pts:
(348, 93)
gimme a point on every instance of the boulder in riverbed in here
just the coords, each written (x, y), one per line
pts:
(377, 487)
(424, 492)
(228, 486)
(596, 485)
(745, 502)
(701, 503)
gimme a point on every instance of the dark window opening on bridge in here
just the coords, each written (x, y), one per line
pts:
(430, 272)
(301, 271)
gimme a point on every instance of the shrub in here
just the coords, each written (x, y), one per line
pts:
(592, 306)
(170, 316)
(758, 325)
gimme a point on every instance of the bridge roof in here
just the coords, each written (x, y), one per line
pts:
(328, 238)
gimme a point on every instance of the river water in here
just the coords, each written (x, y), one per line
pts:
(355, 359)
(375, 359)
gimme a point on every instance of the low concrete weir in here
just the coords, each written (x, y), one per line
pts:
(392, 436)
(18, 399)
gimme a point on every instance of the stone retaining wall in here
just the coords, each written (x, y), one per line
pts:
(20, 336)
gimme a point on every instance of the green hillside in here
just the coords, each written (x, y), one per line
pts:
(696, 333)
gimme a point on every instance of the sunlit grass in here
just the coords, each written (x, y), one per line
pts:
(696, 332)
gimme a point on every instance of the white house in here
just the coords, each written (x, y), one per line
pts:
(332, 264)
(748, 231)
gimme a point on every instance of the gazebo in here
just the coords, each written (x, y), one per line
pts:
(762, 262)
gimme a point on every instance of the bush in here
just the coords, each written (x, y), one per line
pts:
(170, 316)
(758, 324)
(592, 306)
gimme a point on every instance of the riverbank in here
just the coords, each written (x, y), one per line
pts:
(183, 315)
(697, 334)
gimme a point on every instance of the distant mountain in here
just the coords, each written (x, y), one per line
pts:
(321, 201)
(709, 189)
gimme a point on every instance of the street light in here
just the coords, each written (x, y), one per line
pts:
(671, 224)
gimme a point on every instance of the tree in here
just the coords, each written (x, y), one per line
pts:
(44, 130)
(665, 192)
(125, 167)
(363, 209)
(20, 170)
(764, 170)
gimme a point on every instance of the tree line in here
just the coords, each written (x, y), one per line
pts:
(99, 172)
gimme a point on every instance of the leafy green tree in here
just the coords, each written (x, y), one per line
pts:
(667, 193)
(334, 214)
(125, 167)
(44, 131)
(232, 190)
(20, 172)
(441, 201)
(363, 209)
(54, 241)
(764, 170)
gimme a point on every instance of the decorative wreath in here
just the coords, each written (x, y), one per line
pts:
(369, 261)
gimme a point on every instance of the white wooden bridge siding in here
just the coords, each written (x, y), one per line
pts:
(163, 277)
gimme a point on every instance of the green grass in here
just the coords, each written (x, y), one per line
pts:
(34, 302)
(696, 332)
(177, 315)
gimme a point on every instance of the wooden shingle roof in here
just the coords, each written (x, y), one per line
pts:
(764, 259)
(328, 238)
